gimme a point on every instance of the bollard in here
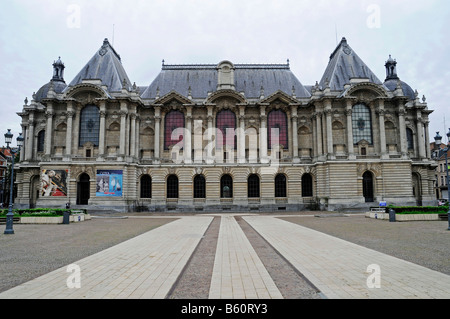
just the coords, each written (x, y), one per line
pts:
(391, 215)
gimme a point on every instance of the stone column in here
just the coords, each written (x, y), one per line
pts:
(188, 136)
(209, 136)
(123, 127)
(241, 140)
(263, 135)
(30, 138)
(101, 142)
(328, 114)
(402, 128)
(69, 132)
(294, 118)
(382, 128)
(49, 129)
(24, 146)
(420, 136)
(133, 135)
(427, 139)
(348, 113)
(319, 133)
(157, 154)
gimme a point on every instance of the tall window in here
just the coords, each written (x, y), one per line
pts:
(307, 185)
(172, 186)
(278, 129)
(253, 186)
(89, 125)
(410, 138)
(146, 186)
(41, 141)
(199, 186)
(226, 124)
(173, 127)
(280, 185)
(362, 124)
(226, 186)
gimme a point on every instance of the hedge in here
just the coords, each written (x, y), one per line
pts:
(41, 211)
(418, 209)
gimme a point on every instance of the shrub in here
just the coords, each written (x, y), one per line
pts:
(418, 209)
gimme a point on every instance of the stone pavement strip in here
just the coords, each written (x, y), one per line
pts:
(238, 272)
(145, 266)
(148, 266)
(340, 269)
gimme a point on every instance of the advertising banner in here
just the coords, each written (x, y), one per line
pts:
(109, 183)
(54, 182)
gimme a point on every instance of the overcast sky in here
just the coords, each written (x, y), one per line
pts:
(33, 34)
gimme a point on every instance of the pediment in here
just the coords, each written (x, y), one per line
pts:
(173, 96)
(225, 93)
(86, 92)
(280, 95)
(366, 90)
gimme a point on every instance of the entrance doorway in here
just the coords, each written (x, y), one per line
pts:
(83, 192)
(368, 187)
(417, 188)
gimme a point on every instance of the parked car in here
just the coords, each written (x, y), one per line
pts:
(442, 202)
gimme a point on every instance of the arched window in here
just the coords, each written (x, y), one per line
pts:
(173, 127)
(226, 124)
(172, 186)
(307, 185)
(253, 186)
(362, 124)
(280, 185)
(277, 129)
(146, 186)
(41, 141)
(89, 125)
(368, 187)
(410, 138)
(199, 186)
(226, 186)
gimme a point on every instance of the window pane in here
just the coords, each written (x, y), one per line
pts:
(199, 186)
(146, 186)
(253, 186)
(226, 186)
(172, 186)
(173, 124)
(89, 125)
(280, 186)
(409, 137)
(226, 124)
(41, 141)
(278, 129)
(362, 124)
(307, 185)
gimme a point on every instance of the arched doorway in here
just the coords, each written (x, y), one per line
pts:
(83, 192)
(226, 186)
(368, 187)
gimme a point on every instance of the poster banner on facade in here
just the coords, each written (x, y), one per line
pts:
(109, 183)
(54, 182)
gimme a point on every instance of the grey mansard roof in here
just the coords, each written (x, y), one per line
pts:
(106, 66)
(344, 65)
(203, 78)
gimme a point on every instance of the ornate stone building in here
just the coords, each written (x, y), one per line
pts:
(225, 137)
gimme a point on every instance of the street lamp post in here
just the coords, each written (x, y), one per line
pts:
(438, 141)
(9, 216)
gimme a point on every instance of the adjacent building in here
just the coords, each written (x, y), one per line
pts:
(225, 137)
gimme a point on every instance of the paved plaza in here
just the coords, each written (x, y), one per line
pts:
(149, 265)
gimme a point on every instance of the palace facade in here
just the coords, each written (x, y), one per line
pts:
(225, 137)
